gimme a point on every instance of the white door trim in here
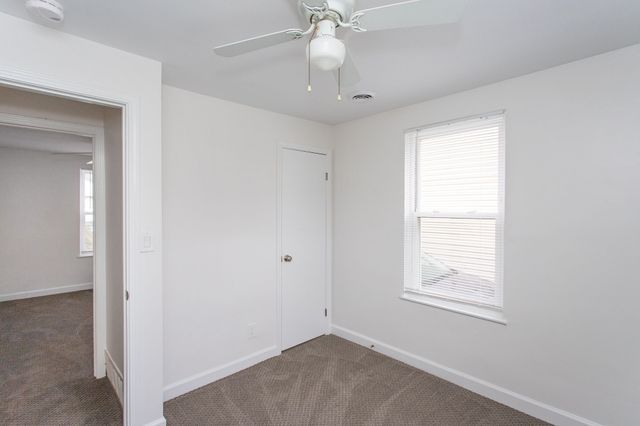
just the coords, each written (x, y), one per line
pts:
(328, 236)
(96, 133)
(130, 106)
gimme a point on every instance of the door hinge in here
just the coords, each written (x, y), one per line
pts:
(326, 176)
(325, 312)
(126, 295)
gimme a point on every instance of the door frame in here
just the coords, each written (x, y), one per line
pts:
(130, 107)
(328, 235)
(96, 133)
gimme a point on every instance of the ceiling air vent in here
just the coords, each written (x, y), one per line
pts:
(363, 97)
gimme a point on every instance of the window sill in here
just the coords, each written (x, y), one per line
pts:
(81, 255)
(479, 312)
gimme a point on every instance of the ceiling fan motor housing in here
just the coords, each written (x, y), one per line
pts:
(344, 8)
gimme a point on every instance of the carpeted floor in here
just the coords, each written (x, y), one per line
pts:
(46, 364)
(46, 378)
(330, 381)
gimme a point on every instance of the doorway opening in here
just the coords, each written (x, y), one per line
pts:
(62, 292)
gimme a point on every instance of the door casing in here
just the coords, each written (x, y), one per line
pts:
(46, 85)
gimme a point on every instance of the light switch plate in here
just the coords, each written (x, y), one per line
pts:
(147, 242)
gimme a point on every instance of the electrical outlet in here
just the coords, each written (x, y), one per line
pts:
(251, 330)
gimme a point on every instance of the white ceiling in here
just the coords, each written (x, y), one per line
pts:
(41, 140)
(496, 39)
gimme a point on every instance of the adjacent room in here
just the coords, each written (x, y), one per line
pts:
(61, 305)
(320, 212)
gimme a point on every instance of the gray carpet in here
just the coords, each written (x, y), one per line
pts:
(330, 381)
(46, 378)
(46, 364)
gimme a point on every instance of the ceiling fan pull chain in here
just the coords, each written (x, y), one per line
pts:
(312, 30)
(339, 84)
(309, 67)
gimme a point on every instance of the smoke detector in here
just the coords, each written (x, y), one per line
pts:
(360, 97)
(49, 11)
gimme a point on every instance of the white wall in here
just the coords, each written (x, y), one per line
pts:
(20, 102)
(114, 238)
(571, 239)
(55, 59)
(40, 223)
(219, 199)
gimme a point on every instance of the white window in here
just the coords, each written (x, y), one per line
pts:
(454, 215)
(86, 212)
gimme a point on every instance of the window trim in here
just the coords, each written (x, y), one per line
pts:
(475, 311)
(84, 253)
(411, 229)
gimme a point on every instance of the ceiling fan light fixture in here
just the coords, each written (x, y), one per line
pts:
(327, 53)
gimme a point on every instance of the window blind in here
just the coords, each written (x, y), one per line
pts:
(454, 218)
(86, 211)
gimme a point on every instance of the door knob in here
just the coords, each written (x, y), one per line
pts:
(287, 258)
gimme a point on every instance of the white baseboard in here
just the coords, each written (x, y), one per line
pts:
(159, 422)
(45, 292)
(504, 396)
(115, 376)
(209, 376)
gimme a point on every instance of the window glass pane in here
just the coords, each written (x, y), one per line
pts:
(88, 237)
(88, 184)
(88, 205)
(457, 258)
(86, 229)
(458, 172)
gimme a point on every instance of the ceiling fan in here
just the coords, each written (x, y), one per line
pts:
(327, 52)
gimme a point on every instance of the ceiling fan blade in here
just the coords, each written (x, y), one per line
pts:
(349, 75)
(412, 13)
(72, 153)
(256, 43)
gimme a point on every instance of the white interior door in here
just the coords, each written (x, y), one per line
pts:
(304, 246)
